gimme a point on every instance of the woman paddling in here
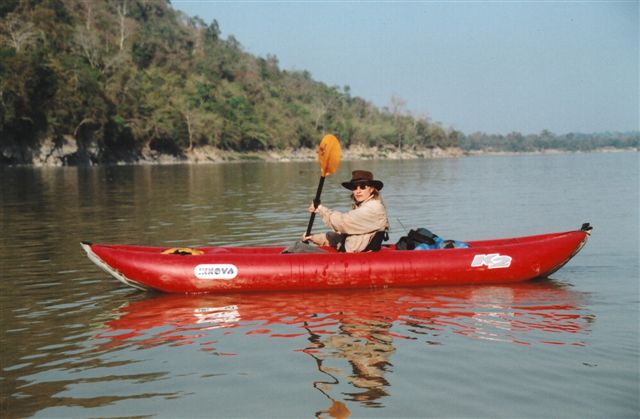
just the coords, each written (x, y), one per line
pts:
(361, 229)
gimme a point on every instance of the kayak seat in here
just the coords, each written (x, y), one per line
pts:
(376, 241)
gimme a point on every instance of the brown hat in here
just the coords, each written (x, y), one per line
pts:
(362, 176)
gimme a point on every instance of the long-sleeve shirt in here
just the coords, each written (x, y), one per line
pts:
(360, 224)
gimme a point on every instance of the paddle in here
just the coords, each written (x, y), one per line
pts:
(329, 158)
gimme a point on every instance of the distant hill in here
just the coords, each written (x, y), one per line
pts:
(113, 79)
(121, 76)
(546, 140)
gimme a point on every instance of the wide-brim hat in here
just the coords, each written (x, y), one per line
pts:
(359, 176)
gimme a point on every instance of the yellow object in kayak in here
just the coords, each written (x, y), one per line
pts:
(182, 251)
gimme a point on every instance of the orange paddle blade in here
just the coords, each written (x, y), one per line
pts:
(329, 155)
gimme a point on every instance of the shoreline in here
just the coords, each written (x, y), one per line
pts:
(70, 155)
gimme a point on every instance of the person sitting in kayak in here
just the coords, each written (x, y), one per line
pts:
(364, 227)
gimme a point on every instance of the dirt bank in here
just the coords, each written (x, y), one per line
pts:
(69, 154)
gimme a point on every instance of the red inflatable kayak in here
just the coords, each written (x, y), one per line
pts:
(233, 269)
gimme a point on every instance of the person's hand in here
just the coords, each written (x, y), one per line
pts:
(312, 207)
(306, 238)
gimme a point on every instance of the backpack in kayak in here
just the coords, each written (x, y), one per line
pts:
(423, 239)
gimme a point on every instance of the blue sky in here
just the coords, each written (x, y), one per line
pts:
(495, 67)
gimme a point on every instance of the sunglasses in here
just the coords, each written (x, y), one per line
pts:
(359, 185)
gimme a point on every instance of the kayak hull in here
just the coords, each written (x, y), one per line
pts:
(235, 269)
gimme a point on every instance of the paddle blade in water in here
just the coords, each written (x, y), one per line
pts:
(329, 155)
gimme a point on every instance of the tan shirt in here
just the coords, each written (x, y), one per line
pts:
(361, 223)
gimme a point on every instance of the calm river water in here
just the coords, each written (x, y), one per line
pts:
(76, 343)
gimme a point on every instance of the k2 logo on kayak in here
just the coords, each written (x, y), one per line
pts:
(491, 261)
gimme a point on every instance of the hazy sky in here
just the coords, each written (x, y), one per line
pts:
(496, 66)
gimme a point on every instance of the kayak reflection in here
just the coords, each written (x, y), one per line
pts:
(359, 327)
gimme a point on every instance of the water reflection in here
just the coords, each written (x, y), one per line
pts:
(367, 346)
(352, 336)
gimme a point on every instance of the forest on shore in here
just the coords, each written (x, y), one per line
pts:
(111, 81)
